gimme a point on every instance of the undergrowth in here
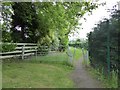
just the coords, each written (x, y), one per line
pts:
(108, 81)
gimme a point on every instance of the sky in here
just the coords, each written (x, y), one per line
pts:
(98, 14)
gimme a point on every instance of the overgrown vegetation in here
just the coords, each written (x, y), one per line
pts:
(103, 44)
(103, 50)
(79, 43)
(48, 71)
(4, 47)
(107, 81)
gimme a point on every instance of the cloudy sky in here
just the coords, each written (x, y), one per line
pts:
(98, 14)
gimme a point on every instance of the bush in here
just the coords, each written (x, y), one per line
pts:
(4, 47)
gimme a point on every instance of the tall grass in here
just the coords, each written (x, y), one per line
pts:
(107, 81)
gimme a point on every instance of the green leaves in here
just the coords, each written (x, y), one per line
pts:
(25, 17)
(98, 42)
(7, 47)
(46, 21)
(6, 16)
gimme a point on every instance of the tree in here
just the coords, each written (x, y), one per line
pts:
(43, 22)
(6, 18)
(26, 19)
(61, 18)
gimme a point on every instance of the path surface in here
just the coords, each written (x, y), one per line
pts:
(81, 77)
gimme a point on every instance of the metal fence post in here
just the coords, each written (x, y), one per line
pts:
(108, 48)
(36, 52)
(83, 54)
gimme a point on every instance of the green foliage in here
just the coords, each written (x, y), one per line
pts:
(7, 47)
(108, 82)
(6, 37)
(43, 49)
(6, 16)
(97, 41)
(24, 17)
(58, 19)
(79, 43)
(55, 44)
(43, 22)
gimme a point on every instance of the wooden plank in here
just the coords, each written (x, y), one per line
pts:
(30, 50)
(11, 56)
(20, 51)
(43, 46)
(23, 51)
(25, 44)
(20, 43)
(34, 47)
(29, 54)
(11, 52)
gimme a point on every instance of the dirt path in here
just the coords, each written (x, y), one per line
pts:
(81, 77)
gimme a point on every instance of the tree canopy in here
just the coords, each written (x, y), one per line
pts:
(44, 22)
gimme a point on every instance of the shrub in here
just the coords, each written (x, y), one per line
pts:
(4, 47)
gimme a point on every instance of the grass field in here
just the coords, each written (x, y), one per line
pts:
(50, 71)
(0, 74)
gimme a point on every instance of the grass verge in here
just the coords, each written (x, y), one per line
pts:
(0, 74)
(43, 72)
(108, 82)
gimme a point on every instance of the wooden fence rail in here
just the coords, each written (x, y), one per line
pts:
(22, 50)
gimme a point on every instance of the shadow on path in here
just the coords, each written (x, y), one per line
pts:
(81, 77)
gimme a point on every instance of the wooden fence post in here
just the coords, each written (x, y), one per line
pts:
(36, 53)
(23, 52)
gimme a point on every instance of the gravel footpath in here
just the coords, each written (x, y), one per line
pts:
(81, 77)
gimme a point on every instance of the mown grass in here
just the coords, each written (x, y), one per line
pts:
(77, 53)
(50, 71)
(107, 81)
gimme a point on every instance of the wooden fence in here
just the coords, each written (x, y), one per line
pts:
(22, 50)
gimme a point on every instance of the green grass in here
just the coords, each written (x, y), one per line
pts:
(0, 74)
(108, 82)
(50, 71)
(78, 53)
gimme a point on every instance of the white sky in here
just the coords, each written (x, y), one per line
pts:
(97, 15)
